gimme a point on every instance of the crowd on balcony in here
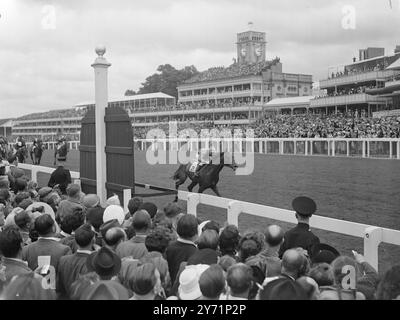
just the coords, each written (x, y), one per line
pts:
(233, 71)
(347, 91)
(349, 71)
(56, 114)
(84, 250)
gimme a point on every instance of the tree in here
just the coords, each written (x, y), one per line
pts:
(166, 80)
(130, 93)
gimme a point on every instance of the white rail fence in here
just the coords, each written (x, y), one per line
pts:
(382, 148)
(332, 147)
(372, 236)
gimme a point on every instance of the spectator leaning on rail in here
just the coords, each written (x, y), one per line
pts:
(301, 235)
(61, 177)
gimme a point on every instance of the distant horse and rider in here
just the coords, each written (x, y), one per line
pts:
(36, 151)
(203, 172)
(61, 150)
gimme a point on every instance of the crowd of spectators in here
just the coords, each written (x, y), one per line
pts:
(56, 114)
(348, 71)
(327, 126)
(58, 243)
(234, 70)
(340, 125)
(347, 91)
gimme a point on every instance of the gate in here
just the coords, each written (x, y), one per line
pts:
(119, 152)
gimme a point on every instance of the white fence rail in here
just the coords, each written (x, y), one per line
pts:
(371, 235)
(332, 147)
(381, 148)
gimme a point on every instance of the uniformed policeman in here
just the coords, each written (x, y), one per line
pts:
(301, 235)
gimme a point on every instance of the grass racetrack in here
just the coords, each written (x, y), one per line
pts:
(351, 189)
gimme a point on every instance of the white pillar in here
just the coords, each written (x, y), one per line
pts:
(372, 239)
(101, 97)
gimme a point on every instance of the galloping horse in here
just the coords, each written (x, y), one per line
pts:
(208, 176)
(61, 150)
(36, 152)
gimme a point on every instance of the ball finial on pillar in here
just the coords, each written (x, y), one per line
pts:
(100, 50)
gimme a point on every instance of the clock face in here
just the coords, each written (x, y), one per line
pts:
(258, 51)
(243, 51)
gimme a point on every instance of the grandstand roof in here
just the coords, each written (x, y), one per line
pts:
(233, 71)
(395, 65)
(130, 98)
(4, 121)
(281, 102)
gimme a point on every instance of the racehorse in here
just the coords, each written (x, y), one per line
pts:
(207, 178)
(36, 152)
(21, 153)
(61, 150)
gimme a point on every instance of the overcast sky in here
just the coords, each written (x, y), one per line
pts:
(45, 58)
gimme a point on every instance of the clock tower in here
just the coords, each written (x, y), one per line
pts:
(251, 46)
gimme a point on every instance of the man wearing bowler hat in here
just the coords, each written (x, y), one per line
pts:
(301, 235)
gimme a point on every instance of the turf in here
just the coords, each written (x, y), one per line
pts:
(352, 189)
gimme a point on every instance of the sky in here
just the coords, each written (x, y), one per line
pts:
(47, 46)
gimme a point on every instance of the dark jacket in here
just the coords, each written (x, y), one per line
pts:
(44, 247)
(299, 236)
(70, 242)
(62, 177)
(134, 248)
(176, 253)
(14, 267)
(69, 269)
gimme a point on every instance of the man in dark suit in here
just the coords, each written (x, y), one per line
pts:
(61, 177)
(182, 249)
(135, 247)
(71, 266)
(11, 248)
(301, 235)
(47, 247)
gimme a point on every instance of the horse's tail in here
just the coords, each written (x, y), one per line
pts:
(176, 174)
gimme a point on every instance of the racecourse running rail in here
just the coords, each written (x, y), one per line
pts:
(371, 235)
(381, 148)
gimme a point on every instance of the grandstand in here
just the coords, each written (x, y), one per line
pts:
(251, 78)
(6, 127)
(362, 85)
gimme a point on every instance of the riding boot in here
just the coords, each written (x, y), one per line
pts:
(197, 173)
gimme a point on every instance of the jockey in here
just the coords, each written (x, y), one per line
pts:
(36, 142)
(20, 142)
(203, 157)
(61, 141)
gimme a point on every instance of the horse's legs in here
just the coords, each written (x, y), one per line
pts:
(192, 185)
(179, 182)
(201, 189)
(215, 189)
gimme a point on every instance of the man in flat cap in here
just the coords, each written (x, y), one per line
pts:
(301, 235)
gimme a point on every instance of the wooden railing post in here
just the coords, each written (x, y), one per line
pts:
(234, 210)
(372, 239)
(193, 200)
